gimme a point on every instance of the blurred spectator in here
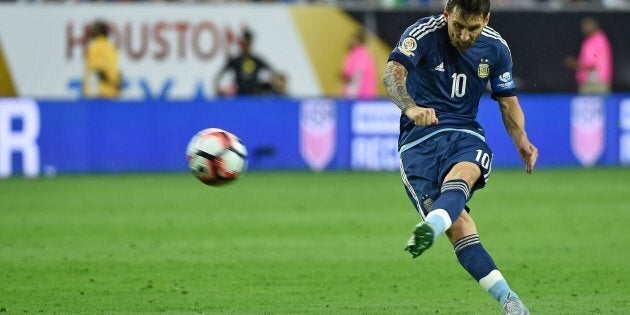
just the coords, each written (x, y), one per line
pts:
(359, 70)
(593, 67)
(101, 77)
(248, 70)
(277, 85)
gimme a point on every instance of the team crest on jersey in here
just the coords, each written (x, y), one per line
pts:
(427, 203)
(484, 69)
(407, 46)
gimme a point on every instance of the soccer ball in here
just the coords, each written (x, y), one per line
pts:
(216, 157)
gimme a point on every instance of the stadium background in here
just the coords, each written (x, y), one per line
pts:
(170, 53)
(114, 224)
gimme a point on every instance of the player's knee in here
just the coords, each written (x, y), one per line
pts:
(467, 171)
(463, 226)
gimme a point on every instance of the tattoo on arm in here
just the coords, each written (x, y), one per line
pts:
(394, 79)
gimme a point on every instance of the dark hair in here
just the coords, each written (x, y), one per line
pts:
(469, 7)
(99, 27)
(247, 35)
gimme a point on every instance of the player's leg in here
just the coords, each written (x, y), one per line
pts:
(446, 208)
(471, 166)
(464, 168)
(453, 196)
(476, 260)
(420, 170)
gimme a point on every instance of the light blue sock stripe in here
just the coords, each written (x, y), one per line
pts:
(438, 224)
(501, 291)
(439, 221)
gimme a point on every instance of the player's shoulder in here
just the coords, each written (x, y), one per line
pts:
(492, 37)
(426, 27)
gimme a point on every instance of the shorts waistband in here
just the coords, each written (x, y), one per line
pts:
(411, 144)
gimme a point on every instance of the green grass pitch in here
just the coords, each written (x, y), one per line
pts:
(305, 243)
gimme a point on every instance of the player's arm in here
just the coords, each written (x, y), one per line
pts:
(395, 82)
(514, 121)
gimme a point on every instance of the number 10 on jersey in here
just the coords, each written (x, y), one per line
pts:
(459, 85)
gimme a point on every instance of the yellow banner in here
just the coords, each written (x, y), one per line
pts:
(6, 83)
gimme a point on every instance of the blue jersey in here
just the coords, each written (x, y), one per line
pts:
(448, 80)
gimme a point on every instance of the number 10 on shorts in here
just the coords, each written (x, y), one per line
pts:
(483, 158)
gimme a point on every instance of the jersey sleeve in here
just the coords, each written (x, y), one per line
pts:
(502, 81)
(408, 51)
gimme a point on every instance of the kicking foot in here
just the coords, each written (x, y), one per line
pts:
(421, 239)
(514, 306)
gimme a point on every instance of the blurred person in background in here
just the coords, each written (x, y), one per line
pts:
(247, 69)
(102, 77)
(593, 67)
(277, 85)
(359, 69)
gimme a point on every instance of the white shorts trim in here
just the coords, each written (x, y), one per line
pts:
(411, 144)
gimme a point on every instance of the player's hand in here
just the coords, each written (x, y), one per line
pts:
(529, 154)
(422, 116)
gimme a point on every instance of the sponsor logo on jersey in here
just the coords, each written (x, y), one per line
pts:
(407, 46)
(587, 129)
(318, 130)
(440, 67)
(484, 69)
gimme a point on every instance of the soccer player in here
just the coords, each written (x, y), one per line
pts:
(436, 76)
